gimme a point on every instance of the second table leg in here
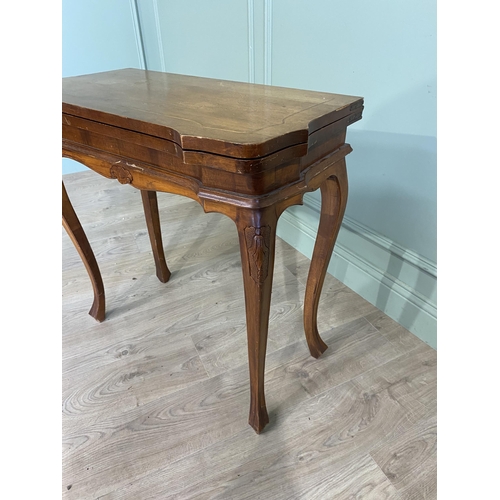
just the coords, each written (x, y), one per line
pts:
(333, 203)
(150, 203)
(75, 231)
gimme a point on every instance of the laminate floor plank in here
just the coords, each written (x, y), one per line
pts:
(204, 413)
(143, 371)
(124, 441)
(401, 338)
(410, 458)
(308, 445)
(360, 478)
(424, 486)
(155, 398)
(410, 379)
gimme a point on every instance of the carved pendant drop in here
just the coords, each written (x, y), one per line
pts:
(258, 242)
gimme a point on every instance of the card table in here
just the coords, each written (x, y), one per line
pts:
(245, 150)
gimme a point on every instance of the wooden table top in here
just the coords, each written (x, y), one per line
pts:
(235, 119)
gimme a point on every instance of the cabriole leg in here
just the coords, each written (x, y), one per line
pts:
(75, 231)
(333, 203)
(257, 235)
(150, 203)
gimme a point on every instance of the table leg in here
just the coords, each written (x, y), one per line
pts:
(333, 203)
(150, 203)
(75, 231)
(257, 235)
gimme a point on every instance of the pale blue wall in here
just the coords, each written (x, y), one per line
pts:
(384, 51)
(201, 38)
(97, 35)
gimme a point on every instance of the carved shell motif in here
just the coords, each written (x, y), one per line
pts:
(257, 239)
(121, 173)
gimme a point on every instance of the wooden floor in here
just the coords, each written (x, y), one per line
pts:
(155, 398)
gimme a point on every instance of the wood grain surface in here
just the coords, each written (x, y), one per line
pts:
(203, 114)
(154, 398)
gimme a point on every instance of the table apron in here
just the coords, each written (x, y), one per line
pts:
(148, 177)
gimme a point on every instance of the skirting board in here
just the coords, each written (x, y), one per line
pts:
(397, 281)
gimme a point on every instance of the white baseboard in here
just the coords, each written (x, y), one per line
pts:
(397, 281)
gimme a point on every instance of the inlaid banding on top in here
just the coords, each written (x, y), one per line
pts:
(233, 119)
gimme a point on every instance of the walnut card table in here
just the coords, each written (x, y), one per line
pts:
(245, 150)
